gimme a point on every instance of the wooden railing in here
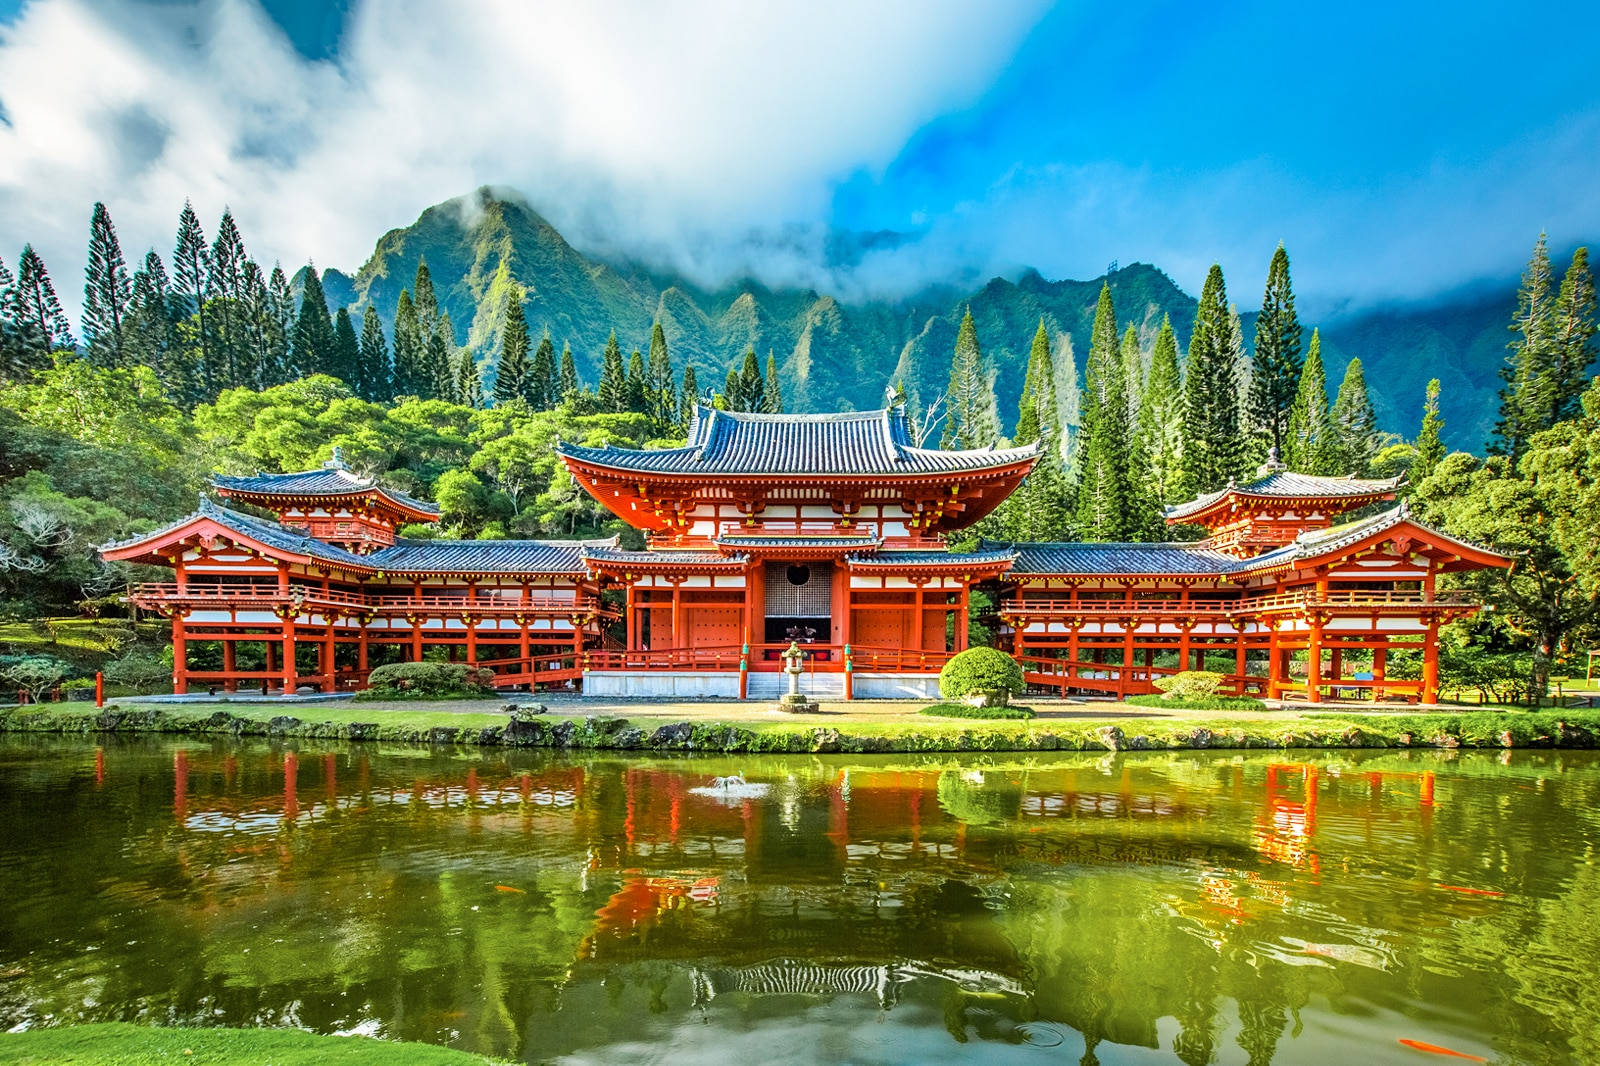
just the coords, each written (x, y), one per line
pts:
(1116, 679)
(242, 595)
(1278, 601)
(829, 658)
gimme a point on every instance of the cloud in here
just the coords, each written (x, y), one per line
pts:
(689, 133)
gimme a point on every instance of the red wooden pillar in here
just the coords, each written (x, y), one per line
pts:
(1275, 671)
(631, 624)
(361, 650)
(677, 616)
(471, 621)
(1314, 662)
(180, 654)
(291, 680)
(1125, 675)
(755, 604)
(1430, 663)
(229, 682)
(1380, 664)
(1185, 627)
(963, 616)
(916, 614)
(329, 667)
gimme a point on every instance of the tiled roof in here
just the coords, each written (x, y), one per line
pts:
(622, 556)
(855, 443)
(1058, 557)
(271, 534)
(485, 556)
(1320, 542)
(1288, 485)
(334, 479)
(901, 559)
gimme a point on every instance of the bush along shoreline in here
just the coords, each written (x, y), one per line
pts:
(524, 729)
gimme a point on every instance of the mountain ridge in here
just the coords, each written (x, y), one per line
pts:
(836, 353)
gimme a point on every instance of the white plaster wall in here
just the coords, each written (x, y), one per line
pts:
(895, 686)
(664, 684)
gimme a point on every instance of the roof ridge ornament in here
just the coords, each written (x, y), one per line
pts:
(337, 462)
(1273, 465)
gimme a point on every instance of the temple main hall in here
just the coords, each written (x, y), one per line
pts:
(829, 531)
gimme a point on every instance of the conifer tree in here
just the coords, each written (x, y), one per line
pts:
(427, 302)
(191, 264)
(374, 381)
(257, 313)
(1355, 424)
(44, 328)
(411, 376)
(1132, 370)
(1572, 342)
(1430, 443)
(751, 386)
(1106, 507)
(511, 374)
(1161, 419)
(1213, 448)
(1275, 368)
(689, 398)
(1310, 446)
(106, 292)
(13, 365)
(224, 296)
(732, 391)
(663, 390)
(613, 389)
(541, 393)
(345, 361)
(151, 331)
(772, 389)
(1526, 371)
(571, 384)
(636, 386)
(311, 347)
(441, 378)
(468, 381)
(1038, 509)
(971, 418)
(279, 323)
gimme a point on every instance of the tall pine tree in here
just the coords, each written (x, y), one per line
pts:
(191, 264)
(751, 386)
(230, 337)
(107, 292)
(411, 376)
(689, 398)
(1132, 370)
(1038, 509)
(311, 347)
(1310, 445)
(1430, 443)
(269, 368)
(570, 384)
(345, 354)
(732, 391)
(511, 373)
(43, 326)
(374, 380)
(1107, 508)
(772, 389)
(1161, 420)
(637, 386)
(1355, 424)
(1572, 342)
(279, 324)
(1524, 401)
(440, 372)
(422, 295)
(971, 417)
(543, 392)
(613, 391)
(1213, 443)
(468, 380)
(150, 332)
(13, 353)
(1275, 367)
(663, 390)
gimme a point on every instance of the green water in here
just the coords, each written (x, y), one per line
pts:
(1193, 907)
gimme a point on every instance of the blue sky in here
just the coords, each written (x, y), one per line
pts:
(1399, 151)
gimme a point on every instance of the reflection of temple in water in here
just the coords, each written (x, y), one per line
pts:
(1104, 895)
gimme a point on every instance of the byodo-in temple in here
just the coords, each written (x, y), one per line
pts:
(825, 530)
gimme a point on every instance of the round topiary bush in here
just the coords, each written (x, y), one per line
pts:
(981, 671)
(427, 681)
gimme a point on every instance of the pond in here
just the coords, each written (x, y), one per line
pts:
(1194, 907)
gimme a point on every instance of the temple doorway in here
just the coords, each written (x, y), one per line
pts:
(799, 604)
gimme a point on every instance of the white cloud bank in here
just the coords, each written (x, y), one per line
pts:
(677, 129)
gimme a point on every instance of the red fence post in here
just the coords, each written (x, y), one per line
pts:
(99, 689)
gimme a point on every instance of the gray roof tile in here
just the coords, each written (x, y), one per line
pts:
(334, 479)
(1290, 485)
(693, 558)
(852, 443)
(819, 541)
(898, 558)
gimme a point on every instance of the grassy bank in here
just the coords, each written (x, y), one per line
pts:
(138, 1045)
(736, 728)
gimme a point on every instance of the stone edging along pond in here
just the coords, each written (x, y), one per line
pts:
(1477, 729)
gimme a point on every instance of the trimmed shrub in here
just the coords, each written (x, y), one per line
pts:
(966, 710)
(1190, 685)
(980, 670)
(1197, 703)
(427, 681)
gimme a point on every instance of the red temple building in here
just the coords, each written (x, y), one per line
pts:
(826, 530)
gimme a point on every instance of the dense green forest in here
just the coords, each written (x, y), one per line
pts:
(213, 365)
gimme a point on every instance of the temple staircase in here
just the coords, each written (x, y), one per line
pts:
(769, 685)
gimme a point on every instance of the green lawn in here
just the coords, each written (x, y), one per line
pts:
(84, 642)
(121, 1044)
